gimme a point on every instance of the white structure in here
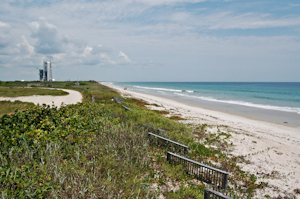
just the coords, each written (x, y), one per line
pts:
(47, 71)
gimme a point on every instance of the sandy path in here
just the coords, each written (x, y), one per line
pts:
(272, 149)
(73, 98)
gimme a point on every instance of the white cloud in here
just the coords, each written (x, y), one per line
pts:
(100, 49)
(5, 38)
(294, 4)
(168, 32)
(123, 57)
(4, 27)
(48, 40)
(227, 20)
(167, 2)
(230, 20)
(52, 43)
(99, 55)
(87, 51)
(59, 57)
(181, 16)
(25, 47)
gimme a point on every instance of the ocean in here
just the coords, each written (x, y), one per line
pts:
(277, 101)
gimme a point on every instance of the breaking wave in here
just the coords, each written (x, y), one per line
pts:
(163, 89)
(242, 103)
(158, 89)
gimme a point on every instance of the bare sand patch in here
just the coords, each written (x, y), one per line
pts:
(271, 150)
(72, 98)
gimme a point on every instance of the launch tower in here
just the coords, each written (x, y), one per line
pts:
(46, 73)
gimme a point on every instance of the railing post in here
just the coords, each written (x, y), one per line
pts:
(225, 180)
(186, 150)
(169, 157)
(206, 194)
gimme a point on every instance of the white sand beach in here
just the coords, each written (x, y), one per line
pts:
(271, 150)
(72, 98)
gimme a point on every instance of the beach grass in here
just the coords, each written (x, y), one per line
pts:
(17, 92)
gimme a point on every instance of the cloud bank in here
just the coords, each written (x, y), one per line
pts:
(132, 40)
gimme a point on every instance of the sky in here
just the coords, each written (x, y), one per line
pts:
(151, 40)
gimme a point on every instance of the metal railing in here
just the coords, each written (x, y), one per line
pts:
(208, 174)
(214, 194)
(168, 141)
(118, 100)
(126, 108)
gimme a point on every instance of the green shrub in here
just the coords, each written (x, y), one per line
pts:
(74, 151)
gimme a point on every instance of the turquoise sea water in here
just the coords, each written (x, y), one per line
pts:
(274, 102)
(280, 96)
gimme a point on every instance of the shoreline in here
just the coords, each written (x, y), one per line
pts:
(271, 149)
(270, 113)
(245, 115)
(208, 108)
(271, 116)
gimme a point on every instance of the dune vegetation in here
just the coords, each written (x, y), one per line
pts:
(8, 107)
(17, 92)
(99, 150)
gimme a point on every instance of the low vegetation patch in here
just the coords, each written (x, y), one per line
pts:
(156, 105)
(8, 107)
(17, 92)
(138, 102)
(162, 112)
(175, 117)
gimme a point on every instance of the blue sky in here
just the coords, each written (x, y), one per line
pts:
(151, 40)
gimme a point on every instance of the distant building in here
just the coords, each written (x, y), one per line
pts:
(46, 73)
(41, 75)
